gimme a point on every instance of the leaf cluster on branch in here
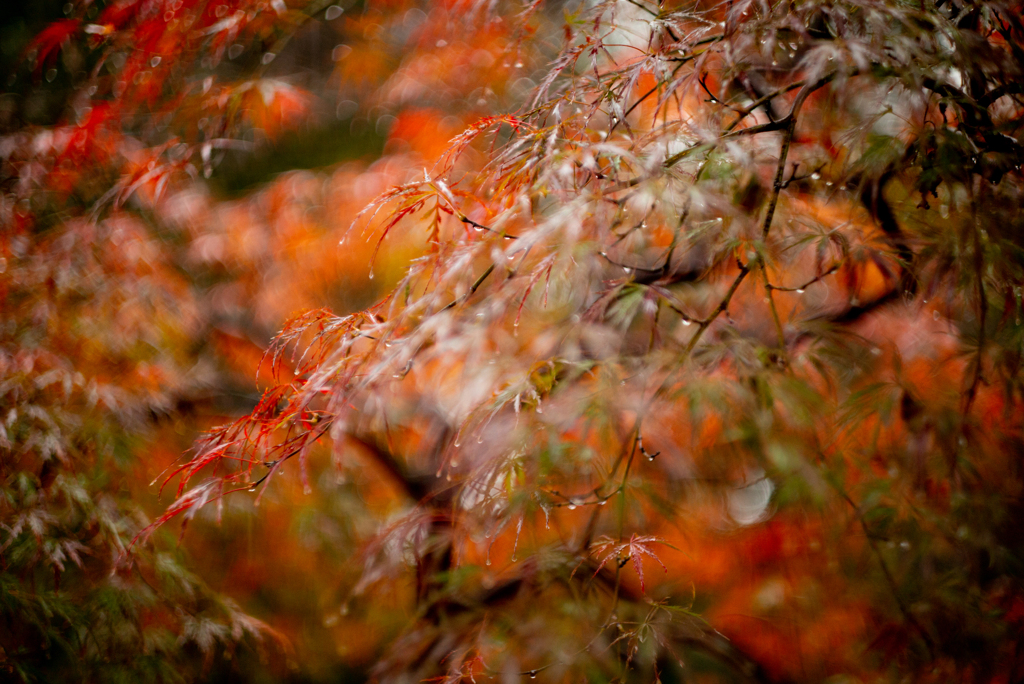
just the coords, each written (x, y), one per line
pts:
(734, 292)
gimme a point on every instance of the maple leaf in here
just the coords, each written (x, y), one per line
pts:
(48, 44)
(634, 548)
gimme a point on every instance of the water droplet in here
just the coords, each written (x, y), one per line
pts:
(792, 54)
(371, 275)
(533, 674)
(572, 507)
(602, 502)
(480, 439)
(333, 12)
(800, 290)
(687, 321)
(935, 315)
(519, 65)
(268, 58)
(155, 61)
(815, 176)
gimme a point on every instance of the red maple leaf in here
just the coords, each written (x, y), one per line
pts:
(634, 548)
(48, 43)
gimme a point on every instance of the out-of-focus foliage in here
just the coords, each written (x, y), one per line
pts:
(681, 342)
(106, 111)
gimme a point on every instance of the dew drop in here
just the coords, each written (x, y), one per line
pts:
(333, 12)
(800, 290)
(371, 275)
(519, 65)
(533, 674)
(155, 61)
(687, 321)
(602, 502)
(815, 176)
(572, 507)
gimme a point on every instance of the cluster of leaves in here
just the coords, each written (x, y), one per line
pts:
(100, 329)
(749, 273)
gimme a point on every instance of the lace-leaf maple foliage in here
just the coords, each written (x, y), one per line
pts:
(106, 110)
(738, 292)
